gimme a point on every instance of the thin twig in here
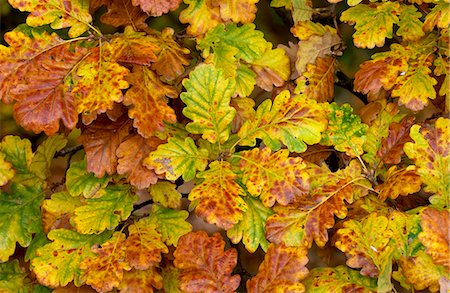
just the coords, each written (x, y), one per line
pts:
(69, 150)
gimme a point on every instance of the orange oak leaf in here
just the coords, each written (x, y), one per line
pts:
(33, 72)
(224, 206)
(141, 281)
(273, 177)
(157, 7)
(310, 216)
(131, 154)
(172, 57)
(317, 82)
(391, 149)
(101, 140)
(399, 182)
(147, 99)
(435, 235)
(99, 81)
(122, 13)
(203, 264)
(281, 271)
(237, 10)
(201, 16)
(133, 47)
(105, 270)
(144, 245)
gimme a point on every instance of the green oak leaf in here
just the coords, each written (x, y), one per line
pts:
(251, 229)
(208, 103)
(345, 131)
(177, 158)
(166, 194)
(245, 80)
(13, 279)
(104, 212)
(410, 26)
(19, 217)
(44, 154)
(58, 263)
(171, 223)
(81, 182)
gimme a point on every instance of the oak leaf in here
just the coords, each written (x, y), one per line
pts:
(19, 211)
(410, 26)
(171, 223)
(273, 177)
(34, 70)
(435, 235)
(224, 207)
(244, 111)
(204, 265)
(157, 7)
(144, 245)
(81, 182)
(340, 278)
(310, 216)
(13, 278)
(251, 229)
(399, 182)
(301, 9)
(245, 80)
(391, 148)
(178, 157)
(201, 15)
(207, 102)
(317, 82)
(101, 140)
(282, 269)
(165, 193)
(131, 154)
(112, 205)
(148, 98)
(44, 154)
(345, 131)
(59, 14)
(374, 23)
(99, 81)
(172, 58)
(57, 263)
(238, 11)
(431, 155)
(292, 121)
(305, 29)
(105, 270)
(123, 13)
(438, 16)
(141, 281)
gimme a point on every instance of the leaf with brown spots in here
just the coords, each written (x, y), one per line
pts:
(141, 281)
(101, 140)
(317, 82)
(157, 7)
(435, 235)
(391, 149)
(311, 215)
(201, 15)
(144, 245)
(59, 14)
(57, 211)
(123, 13)
(281, 270)
(399, 182)
(172, 58)
(223, 207)
(57, 263)
(431, 154)
(148, 98)
(105, 269)
(204, 265)
(34, 71)
(273, 177)
(99, 81)
(131, 154)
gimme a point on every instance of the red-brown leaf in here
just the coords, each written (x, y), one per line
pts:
(157, 7)
(204, 266)
(391, 150)
(101, 140)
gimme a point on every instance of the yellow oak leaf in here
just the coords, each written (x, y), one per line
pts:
(202, 15)
(141, 281)
(6, 171)
(237, 10)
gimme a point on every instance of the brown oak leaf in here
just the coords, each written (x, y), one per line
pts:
(123, 13)
(204, 266)
(391, 149)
